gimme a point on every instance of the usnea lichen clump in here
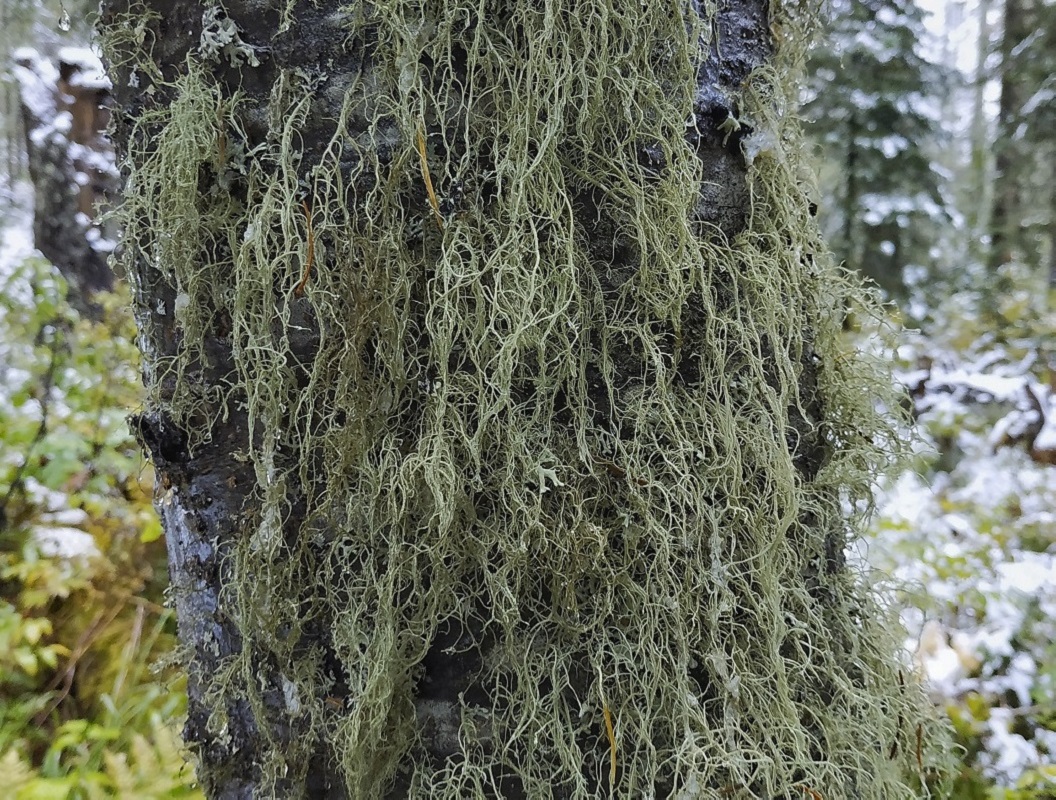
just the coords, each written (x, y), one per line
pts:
(533, 397)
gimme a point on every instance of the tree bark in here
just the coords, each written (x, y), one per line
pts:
(64, 115)
(1007, 216)
(979, 202)
(1052, 219)
(498, 409)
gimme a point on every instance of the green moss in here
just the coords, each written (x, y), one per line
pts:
(663, 557)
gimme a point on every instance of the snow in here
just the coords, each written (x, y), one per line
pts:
(882, 207)
(866, 40)
(36, 77)
(1046, 439)
(91, 74)
(16, 239)
(971, 546)
(887, 16)
(1038, 571)
(64, 542)
(54, 534)
(1013, 752)
(864, 100)
(89, 158)
(1043, 98)
(892, 145)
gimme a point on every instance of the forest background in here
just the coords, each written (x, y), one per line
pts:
(934, 126)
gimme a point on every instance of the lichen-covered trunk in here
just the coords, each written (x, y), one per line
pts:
(502, 427)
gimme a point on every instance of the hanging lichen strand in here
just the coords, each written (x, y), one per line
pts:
(505, 377)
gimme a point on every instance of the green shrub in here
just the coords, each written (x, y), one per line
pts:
(85, 710)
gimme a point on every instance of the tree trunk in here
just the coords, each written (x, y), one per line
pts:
(852, 208)
(1007, 216)
(978, 200)
(64, 115)
(1052, 219)
(502, 427)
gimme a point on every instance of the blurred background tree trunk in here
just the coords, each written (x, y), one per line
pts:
(1008, 217)
(879, 140)
(64, 114)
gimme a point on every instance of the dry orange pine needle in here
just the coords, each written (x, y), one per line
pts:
(611, 733)
(429, 181)
(310, 256)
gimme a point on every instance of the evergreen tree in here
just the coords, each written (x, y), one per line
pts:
(872, 102)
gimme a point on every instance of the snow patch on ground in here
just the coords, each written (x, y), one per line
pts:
(972, 547)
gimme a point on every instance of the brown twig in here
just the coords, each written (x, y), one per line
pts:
(130, 650)
(298, 290)
(91, 633)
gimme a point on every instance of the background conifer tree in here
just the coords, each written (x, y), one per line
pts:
(873, 105)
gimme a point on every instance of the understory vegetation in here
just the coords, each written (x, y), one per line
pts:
(966, 534)
(87, 706)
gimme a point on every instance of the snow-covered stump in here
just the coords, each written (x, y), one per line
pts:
(71, 164)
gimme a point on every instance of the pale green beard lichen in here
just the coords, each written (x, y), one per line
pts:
(469, 447)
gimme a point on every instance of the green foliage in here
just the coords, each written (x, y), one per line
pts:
(81, 567)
